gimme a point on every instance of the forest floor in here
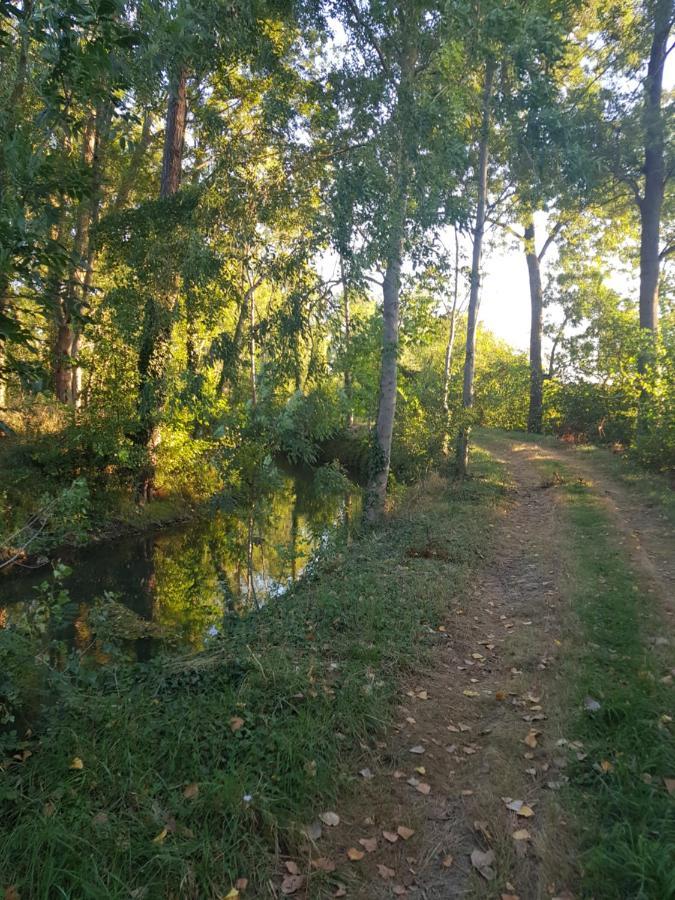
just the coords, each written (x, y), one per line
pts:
(530, 742)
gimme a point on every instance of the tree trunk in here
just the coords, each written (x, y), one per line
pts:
(654, 170)
(251, 348)
(448, 351)
(376, 491)
(154, 350)
(536, 410)
(131, 173)
(474, 294)
(347, 330)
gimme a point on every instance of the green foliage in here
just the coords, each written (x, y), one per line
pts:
(144, 734)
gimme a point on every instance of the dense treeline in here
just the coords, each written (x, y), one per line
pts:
(235, 229)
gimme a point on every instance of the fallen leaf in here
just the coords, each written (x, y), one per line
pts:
(606, 766)
(525, 811)
(447, 861)
(420, 770)
(330, 818)
(670, 785)
(531, 738)
(521, 835)
(323, 864)
(11, 893)
(292, 867)
(241, 884)
(390, 836)
(423, 788)
(405, 832)
(385, 871)
(292, 883)
(341, 891)
(355, 854)
(482, 862)
(232, 894)
(161, 837)
(368, 844)
(191, 791)
(501, 695)
(510, 897)
(422, 695)
(236, 723)
(100, 818)
(367, 774)
(76, 763)
(469, 693)
(417, 749)
(591, 704)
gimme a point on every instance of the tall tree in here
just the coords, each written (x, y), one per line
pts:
(474, 291)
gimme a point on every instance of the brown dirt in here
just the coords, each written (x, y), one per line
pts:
(493, 684)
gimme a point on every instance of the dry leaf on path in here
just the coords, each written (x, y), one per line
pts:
(531, 738)
(385, 871)
(405, 832)
(341, 890)
(354, 854)
(330, 818)
(368, 844)
(323, 864)
(292, 883)
(292, 867)
(390, 836)
(521, 835)
(482, 862)
(423, 788)
(417, 749)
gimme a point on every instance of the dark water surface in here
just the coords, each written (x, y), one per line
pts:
(175, 588)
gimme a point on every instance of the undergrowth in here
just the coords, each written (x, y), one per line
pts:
(174, 779)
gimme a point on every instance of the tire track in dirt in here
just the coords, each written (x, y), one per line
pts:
(476, 728)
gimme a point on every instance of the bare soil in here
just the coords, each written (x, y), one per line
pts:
(484, 725)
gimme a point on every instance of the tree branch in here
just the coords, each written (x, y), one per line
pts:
(549, 240)
(356, 12)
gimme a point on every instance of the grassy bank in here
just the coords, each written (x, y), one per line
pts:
(618, 790)
(176, 779)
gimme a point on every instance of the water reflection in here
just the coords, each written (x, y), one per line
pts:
(183, 585)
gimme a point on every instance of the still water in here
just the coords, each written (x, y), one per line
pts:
(176, 588)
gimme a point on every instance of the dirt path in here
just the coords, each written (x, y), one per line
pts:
(485, 724)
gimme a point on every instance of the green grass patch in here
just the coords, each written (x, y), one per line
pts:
(625, 815)
(271, 723)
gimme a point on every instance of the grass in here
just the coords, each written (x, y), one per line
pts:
(626, 817)
(270, 724)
